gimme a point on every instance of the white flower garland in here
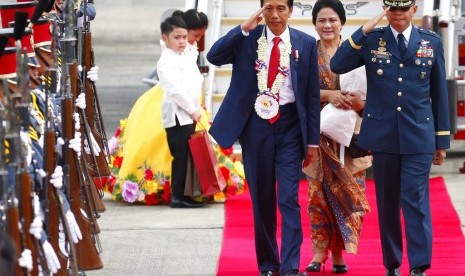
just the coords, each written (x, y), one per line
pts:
(261, 67)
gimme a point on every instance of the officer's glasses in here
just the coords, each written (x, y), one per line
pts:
(394, 9)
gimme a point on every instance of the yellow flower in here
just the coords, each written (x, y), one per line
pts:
(239, 169)
(122, 123)
(151, 186)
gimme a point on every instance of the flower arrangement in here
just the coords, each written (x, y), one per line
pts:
(148, 184)
(149, 188)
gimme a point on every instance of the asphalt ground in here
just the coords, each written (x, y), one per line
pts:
(158, 240)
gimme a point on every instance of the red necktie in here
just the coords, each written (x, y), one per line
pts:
(273, 70)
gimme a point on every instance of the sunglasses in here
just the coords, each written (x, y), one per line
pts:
(394, 9)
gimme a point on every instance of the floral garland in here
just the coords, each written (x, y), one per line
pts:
(261, 67)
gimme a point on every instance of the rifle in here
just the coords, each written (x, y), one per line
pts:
(89, 62)
(86, 252)
(90, 201)
(14, 225)
(87, 255)
(97, 165)
(54, 209)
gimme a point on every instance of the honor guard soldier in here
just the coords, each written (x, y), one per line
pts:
(405, 125)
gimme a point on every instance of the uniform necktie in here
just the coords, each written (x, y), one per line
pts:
(401, 44)
(273, 70)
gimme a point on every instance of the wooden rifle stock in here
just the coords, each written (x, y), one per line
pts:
(27, 214)
(86, 252)
(94, 113)
(89, 205)
(12, 228)
(53, 220)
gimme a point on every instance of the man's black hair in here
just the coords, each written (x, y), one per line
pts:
(172, 23)
(290, 3)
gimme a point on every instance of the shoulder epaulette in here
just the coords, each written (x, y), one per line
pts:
(379, 29)
(428, 32)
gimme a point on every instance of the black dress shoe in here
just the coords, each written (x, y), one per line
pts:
(184, 203)
(294, 273)
(417, 272)
(340, 269)
(393, 272)
(315, 267)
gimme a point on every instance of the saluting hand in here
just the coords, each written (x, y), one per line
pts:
(253, 20)
(370, 25)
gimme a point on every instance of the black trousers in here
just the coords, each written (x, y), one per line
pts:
(178, 137)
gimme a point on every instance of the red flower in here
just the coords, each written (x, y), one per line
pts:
(111, 183)
(166, 196)
(100, 182)
(227, 151)
(118, 161)
(148, 174)
(151, 199)
(231, 190)
(118, 132)
(226, 173)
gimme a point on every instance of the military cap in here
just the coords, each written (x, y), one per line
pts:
(399, 3)
(8, 62)
(7, 11)
(41, 33)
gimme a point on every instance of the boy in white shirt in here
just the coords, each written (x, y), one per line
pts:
(180, 107)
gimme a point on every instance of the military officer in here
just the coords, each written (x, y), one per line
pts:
(405, 124)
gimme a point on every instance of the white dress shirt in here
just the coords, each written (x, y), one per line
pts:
(286, 93)
(181, 82)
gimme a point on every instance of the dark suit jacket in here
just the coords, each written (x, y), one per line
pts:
(407, 108)
(238, 104)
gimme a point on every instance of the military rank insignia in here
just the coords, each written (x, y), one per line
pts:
(424, 50)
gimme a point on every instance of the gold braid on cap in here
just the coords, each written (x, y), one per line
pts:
(399, 3)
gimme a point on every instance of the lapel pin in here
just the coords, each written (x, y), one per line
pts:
(296, 55)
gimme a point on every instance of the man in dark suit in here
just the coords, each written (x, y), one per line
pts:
(275, 138)
(405, 124)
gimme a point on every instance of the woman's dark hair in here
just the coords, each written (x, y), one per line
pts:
(335, 5)
(193, 18)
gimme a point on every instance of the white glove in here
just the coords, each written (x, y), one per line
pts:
(81, 101)
(80, 22)
(95, 146)
(36, 228)
(92, 74)
(25, 260)
(57, 177)
(74, 230)
(77, 121)
(60, 141)
(75, 143)
(51, 257)
(37, 207)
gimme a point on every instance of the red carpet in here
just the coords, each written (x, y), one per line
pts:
(238, 255)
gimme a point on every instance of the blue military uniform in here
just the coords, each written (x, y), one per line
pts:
(405, 120)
